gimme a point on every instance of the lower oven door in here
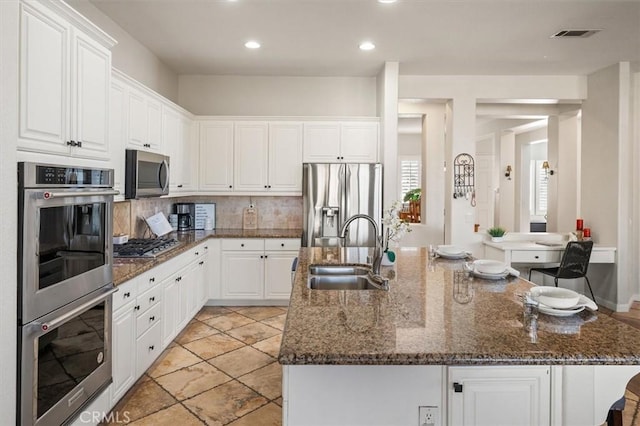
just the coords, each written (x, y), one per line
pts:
(65, 359)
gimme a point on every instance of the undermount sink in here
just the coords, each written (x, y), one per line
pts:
(341, 282)
(338, 270)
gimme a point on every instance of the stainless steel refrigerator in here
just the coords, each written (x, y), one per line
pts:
(332, 193)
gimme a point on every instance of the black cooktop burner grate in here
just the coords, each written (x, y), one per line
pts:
(144, 247)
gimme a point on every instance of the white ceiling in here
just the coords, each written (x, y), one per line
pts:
(321, 37)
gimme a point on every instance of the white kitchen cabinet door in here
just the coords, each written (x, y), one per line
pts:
(359, 142)
(321, 142)
(44, 80)
(189, 155)
(242, 274)
(285, 157)
(188, 293)
(251, 145)
(145, 121)
(117, 122)
(216, 156)
(173, 142)
(124, 341)
(201, 284)
(90, 97)
(212, 277)
(170, 310)
(64, 87)
(148, 348)
(518, 395)
(277, 274)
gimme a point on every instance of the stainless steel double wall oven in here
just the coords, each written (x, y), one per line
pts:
(64, 289)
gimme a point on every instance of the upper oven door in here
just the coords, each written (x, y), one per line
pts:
(64, 247)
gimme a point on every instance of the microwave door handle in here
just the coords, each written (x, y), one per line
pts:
(46, 326)
(51, 195)
(164, 184)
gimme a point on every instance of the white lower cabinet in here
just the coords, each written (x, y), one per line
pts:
(257, 269)
(123, 344)
(518, 395)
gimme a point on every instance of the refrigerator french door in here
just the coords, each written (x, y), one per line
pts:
(332, 193)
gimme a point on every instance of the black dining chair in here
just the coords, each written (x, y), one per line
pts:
(574, 264)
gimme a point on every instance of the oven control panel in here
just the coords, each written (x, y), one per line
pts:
(35, 175)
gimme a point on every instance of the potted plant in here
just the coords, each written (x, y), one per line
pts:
(497, 233)
(413, 197)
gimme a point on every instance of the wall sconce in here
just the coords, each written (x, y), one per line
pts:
(507, 172)
(545, 166)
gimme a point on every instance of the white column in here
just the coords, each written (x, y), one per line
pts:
(387, 85)
(507, 187)
(568, 176)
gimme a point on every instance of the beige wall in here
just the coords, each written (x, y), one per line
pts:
(130, 56)
(272, 96)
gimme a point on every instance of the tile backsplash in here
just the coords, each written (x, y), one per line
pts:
(273, 212)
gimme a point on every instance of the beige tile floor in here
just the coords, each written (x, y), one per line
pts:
(222, 370)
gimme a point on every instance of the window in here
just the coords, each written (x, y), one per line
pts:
(539, 181)
(410, 171)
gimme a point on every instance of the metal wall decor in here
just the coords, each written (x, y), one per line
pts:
(463, 176)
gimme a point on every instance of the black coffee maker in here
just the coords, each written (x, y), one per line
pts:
(186, 216)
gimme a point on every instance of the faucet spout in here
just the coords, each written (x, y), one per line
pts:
(377, 261)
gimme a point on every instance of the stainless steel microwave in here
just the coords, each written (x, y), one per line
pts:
(147, 174)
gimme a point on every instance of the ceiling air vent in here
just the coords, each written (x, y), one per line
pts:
(575, 33)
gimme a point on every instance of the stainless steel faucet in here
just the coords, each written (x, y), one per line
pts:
(377, 261)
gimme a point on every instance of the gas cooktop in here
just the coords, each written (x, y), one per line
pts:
(144, 247)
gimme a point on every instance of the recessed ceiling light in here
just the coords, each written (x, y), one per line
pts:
(387, 1)
(367, 45)
(252, 44)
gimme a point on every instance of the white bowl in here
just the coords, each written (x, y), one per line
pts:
(489, 266)
(452, 250)
(558, 298)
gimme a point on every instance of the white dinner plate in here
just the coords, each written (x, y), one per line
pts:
(559, 312)
(485, 276)
(584, 301)
(452, 256)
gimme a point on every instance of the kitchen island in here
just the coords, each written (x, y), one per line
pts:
(442, 339)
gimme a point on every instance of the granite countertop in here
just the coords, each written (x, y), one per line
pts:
(125, 269)
(436, 314)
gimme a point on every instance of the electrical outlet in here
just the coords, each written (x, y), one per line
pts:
(428, 415)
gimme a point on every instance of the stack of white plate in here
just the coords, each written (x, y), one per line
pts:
(560, 302)
(451, 252)
(490, 269)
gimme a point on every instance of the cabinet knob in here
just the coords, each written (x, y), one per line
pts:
(266, 256)
(136, 308)
(180, 186)
(79, 144)
(281, 244)
(269, 186)
(152, 347)
(127, 294)
(152, 299)
(242, 245)
(537, 257)
(266, 186)
(152, 280)
(457, 387)
(206, 247)
(197, 253)
(201, 262)
(230, 186)
(152, 319)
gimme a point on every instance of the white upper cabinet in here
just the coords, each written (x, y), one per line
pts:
(285, 156)
(216, 156)
(251, 156)
(251, 147)
(144, 121)
(179, 144)
(64, 83)
(117, 114)
(354, 142)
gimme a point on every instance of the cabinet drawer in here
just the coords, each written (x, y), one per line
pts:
(536, 256)
(243, 244)
(149, 298)
(148, 347)
(150, 279)
(274, 244)
(126, 293)
(147, 319)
